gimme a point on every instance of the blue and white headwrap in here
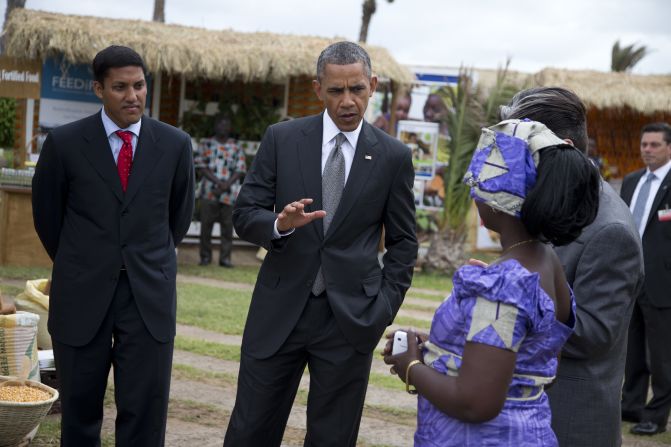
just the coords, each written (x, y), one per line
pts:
(503, 167)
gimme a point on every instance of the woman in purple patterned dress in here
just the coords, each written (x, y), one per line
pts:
(494, 342)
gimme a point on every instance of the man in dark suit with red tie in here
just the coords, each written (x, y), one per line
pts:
(317, 196)
(648, 193)
(112, 198)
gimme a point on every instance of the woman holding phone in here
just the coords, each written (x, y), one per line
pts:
(494, 342)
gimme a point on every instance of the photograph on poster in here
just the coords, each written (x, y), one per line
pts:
(418, 190)
(422, 139)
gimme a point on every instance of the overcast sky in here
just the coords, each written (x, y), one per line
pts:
(575, 34)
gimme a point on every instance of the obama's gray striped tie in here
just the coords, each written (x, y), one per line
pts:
(333, 183)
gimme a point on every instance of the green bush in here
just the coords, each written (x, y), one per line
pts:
(7, 117)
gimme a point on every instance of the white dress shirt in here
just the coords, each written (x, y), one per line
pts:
(115, 140)
(328, 143)
(660, 174)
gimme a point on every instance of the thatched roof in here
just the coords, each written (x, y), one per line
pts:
(645, 93)
(175, 49)
(608, 89)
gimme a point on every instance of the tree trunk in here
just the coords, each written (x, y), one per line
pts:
(369, 7)
(12, 5)
(446, 251)
(159, 11)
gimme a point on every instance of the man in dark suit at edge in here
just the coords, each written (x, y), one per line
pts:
(321, 298)
(112, 198)
(647, 193)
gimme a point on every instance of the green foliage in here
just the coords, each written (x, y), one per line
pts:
(625, 58)
(425, 220)
(7, 117)
(470, 108)
(464, 120)
(250, 116)
(196, 123)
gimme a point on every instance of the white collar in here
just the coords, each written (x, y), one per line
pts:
(111, 127)
(331, 130)
(660, 172)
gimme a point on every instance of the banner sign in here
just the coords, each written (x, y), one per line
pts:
(19, 78)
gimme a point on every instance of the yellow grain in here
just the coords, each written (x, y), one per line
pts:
(23, 393)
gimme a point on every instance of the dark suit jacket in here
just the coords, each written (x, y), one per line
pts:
(604, 266)
(656, 240)
(363, 296)
(90, 228)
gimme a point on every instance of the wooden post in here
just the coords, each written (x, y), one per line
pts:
(22, 121)
(156, 96)
(395, 89)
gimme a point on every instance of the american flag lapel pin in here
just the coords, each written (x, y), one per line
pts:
(368, 157)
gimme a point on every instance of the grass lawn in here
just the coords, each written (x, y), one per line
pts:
(242, 273)
(208, 348)
(224, 311)
(212, 308)
(12, 272)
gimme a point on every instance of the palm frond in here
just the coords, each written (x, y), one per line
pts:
(625, 58)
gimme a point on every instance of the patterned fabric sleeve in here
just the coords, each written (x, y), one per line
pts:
(499, 304)
(241, 162)
(201, 158)
(497, 324)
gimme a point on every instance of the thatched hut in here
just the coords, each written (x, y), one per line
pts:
(618, 106)
(191, 63)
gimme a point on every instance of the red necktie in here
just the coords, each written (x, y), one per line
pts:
(125, 160)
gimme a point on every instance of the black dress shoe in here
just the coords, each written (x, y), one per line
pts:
(204, 262)
(631, 416)
(226, 263)
(647, 428)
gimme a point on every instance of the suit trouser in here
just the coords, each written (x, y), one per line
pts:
(212, 211)
(648, 362)
(141, 379)
(267, 387)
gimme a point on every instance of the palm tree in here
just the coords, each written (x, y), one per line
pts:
(624, 58)
(11, 6)
(471, 110)
(369, 7)
(159, 11)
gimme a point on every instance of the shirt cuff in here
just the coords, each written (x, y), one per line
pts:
(277, 234)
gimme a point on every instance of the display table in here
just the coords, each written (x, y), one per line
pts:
(19, 244)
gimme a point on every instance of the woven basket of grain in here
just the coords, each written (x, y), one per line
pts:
(23, 405)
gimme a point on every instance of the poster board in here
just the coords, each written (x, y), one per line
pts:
(422, 140)
(19, 78)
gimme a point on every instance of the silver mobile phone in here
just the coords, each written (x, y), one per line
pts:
(400, 342)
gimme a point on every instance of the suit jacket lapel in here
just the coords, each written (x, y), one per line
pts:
(661, 193)
(145, 159)
(366, 156)
(309, 154)
(99, 153)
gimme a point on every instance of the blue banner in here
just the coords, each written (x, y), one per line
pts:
(72, 82)
(68, 82)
